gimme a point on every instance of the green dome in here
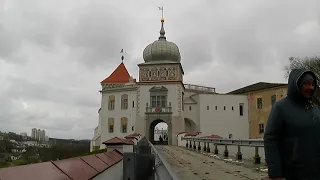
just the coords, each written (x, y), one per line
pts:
(161, 50)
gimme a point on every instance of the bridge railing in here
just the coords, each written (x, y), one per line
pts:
(195, 144)
(145, 163)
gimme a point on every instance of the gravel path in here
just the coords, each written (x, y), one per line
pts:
(191, 165)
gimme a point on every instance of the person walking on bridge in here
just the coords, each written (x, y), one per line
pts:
(292, 136)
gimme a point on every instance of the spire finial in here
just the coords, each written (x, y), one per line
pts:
(122, 57)
(162, 32)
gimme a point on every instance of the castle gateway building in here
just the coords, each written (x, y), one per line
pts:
(160, 95)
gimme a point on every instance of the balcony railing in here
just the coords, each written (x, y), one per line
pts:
(199, 88)
(158, 110)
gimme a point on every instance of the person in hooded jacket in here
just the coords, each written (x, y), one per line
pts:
(292, 135)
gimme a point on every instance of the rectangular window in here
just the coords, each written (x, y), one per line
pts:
(111, 128)
(261, 128)
(132, 128)
(158, 101)
(154, 101)
(224, 108)
(125, 104)
(207, 107)
(111, 104)
(259, 103)
(189, 108)
(232, 108)
(273, 99)
(241, 109)
(216, 107)
(163, 101)
(124, 128)
(133, 104)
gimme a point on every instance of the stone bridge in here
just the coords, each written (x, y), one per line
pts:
(197, 159)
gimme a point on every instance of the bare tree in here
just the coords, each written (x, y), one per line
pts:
(311, 63)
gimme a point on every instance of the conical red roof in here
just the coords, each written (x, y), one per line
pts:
(119, 75)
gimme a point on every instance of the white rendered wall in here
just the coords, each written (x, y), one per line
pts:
(117, 114)
(224, 122)
(115, 172)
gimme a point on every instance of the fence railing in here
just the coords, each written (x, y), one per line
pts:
(145, 163)
(195, 143)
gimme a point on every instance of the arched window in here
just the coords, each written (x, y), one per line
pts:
(124, 124)
(111, 102)
(124, 101)
(111, 125)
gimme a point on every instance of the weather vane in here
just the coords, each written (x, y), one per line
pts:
(122, 57)
(161, 9)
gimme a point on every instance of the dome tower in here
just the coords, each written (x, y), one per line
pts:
(161, 60)
(161, 50)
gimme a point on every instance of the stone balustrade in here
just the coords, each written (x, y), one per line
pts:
(199, 88)
(224, 145)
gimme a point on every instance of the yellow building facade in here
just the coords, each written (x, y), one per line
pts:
(261, 97)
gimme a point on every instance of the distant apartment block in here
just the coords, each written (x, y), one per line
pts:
(38, 134)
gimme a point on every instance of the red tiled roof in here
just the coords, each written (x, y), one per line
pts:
(189, 133)
(192, 134)
(85, 167)
(213, 136)
(119, 75)
(118, 141)
(132, 136)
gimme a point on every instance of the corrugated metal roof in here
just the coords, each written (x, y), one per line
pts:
(106, 159)
(81, 168)
(37, 171)
(113, 156)
(95, 162)
(76, 168)
(119, 155)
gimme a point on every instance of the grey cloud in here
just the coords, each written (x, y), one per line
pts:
(22, 88)
(99, 35)
(214, 37)
(196, 51)
(26, 22)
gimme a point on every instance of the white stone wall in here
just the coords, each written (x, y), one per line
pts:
(224, 122)
(180, 142)
(117, 114)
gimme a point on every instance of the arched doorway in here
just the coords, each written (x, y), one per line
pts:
(158, 128)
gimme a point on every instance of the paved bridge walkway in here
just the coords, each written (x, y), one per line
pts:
(192, 165)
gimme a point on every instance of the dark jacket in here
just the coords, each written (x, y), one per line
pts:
(292, 136)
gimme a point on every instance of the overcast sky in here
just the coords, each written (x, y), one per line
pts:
(54, 53)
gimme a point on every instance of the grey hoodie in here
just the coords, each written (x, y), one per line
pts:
(292, 136)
